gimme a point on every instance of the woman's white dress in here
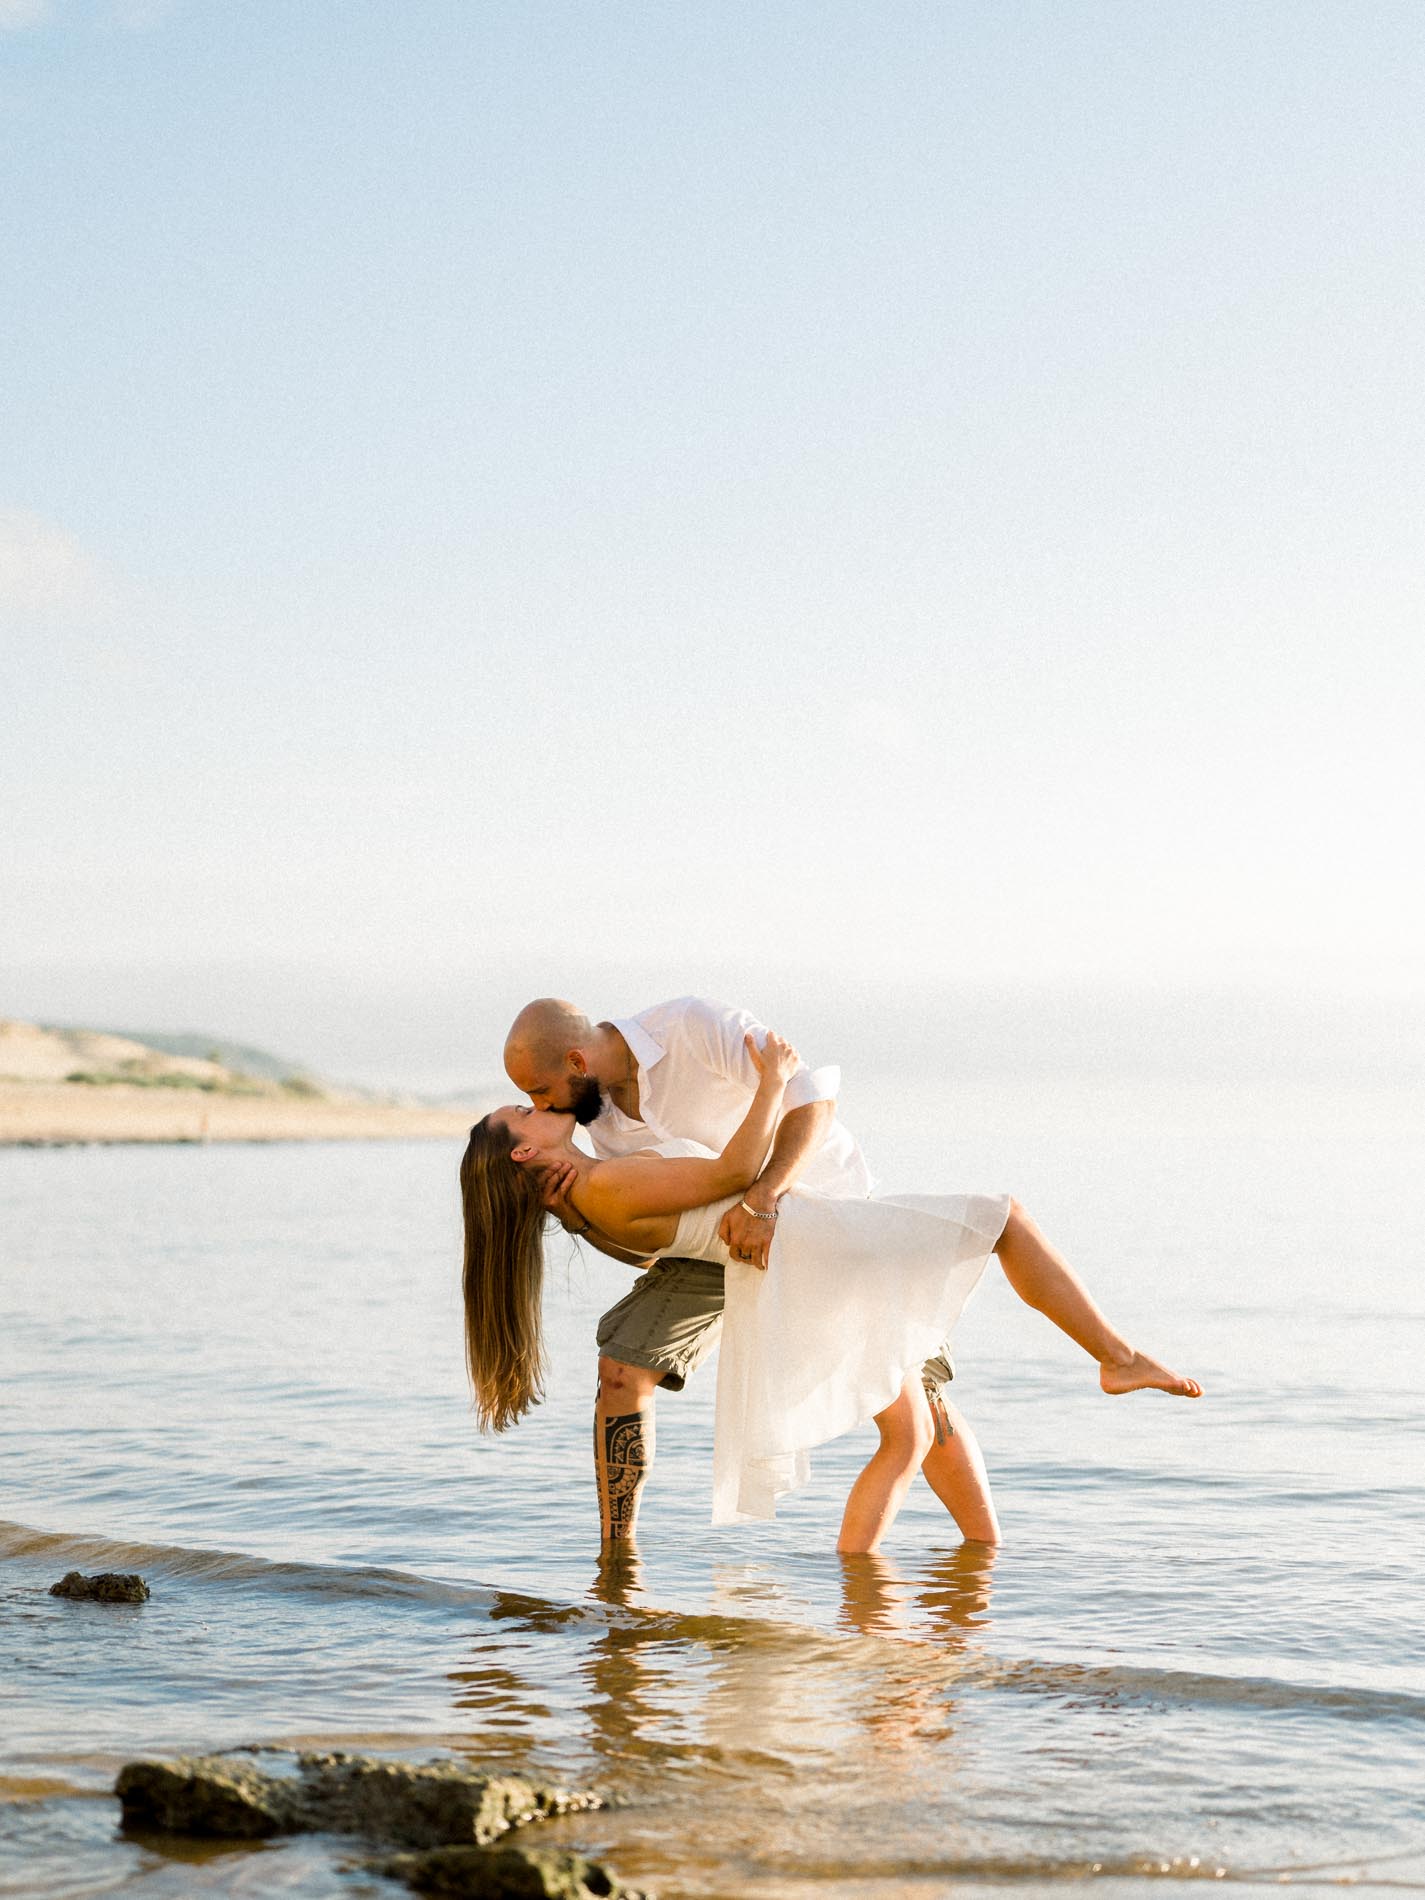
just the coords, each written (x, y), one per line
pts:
(857, 1293)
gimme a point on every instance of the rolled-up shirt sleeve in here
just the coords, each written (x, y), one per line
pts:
(813, 1085)
(725, 1030)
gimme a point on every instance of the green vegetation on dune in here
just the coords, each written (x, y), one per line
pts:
(209, 1085)
(251, 1071)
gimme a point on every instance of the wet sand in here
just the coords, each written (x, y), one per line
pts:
(44, 1114)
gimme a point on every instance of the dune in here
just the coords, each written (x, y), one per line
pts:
(77, 1085)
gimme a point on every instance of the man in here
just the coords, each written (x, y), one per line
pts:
(681, 1070)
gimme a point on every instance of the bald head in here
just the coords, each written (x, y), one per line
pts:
(544, 1033)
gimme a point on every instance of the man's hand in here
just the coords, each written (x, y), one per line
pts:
(555, 1181)
(749, 1239)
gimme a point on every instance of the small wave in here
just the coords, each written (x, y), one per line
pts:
(67, 1550)
(236, 1568)
(1126, 1683)
(1270, 1487)
(965, 1670)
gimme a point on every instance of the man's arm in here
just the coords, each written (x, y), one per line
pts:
(800, 1134)
(809, 1111)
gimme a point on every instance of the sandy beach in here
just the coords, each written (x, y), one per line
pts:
(45, 1114)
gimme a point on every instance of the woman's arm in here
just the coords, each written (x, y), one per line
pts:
(636, 1186)
(776, 1063)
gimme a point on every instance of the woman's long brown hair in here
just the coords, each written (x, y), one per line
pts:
(504, 1278)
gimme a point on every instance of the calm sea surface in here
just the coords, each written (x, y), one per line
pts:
(1198, 1655)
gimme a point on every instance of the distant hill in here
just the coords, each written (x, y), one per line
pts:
(240, 1056)
(75, 1086)
(46, 1053)
(59, 1052)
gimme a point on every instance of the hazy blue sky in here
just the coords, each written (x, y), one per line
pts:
(929, 491)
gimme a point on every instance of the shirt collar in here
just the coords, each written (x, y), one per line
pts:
(645, 1050)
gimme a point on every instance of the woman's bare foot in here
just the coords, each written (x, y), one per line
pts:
(1140, 1373)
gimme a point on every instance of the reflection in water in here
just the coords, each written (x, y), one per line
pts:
(955, 1588)
(521, 1704)
(765, 1691)
(632, 1669)
(508, 1710)
(875, 1597)
(618, 1578)
(793, 1743)
(953, 1591)
(907, 1702)
(749, 1686)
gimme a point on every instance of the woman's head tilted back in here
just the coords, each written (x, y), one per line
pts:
(504, 1275)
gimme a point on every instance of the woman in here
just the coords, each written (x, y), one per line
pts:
(859, 1294)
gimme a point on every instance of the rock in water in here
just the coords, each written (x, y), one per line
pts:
(433, 1804)
(110, 1586)
(506, 1873)
(213, 1795)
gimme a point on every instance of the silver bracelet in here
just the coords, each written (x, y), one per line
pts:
(755, 1215)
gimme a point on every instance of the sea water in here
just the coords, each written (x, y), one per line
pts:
(1198, 1654)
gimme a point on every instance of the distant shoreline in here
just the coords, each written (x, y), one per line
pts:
(76, 1114)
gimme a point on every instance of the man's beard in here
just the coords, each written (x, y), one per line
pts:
(587, 1100)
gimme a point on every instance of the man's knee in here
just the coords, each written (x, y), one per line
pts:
(624, 1388)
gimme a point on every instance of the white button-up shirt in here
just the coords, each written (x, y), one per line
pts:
(696, 1082)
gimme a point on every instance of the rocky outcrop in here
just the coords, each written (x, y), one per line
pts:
(419, 1805)
(110, 1586)
(506, 1873)
(432, 1805)
(215, 1795)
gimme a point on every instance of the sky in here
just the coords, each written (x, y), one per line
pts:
(862, 501)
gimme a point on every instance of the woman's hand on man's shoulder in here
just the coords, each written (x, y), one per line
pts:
(776, 1057)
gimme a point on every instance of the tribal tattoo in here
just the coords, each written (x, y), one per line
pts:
(627, 1454)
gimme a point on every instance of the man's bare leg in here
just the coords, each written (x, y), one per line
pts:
(955, 1471)
(906, 1435)
(623, 1444)
(1043, 1279)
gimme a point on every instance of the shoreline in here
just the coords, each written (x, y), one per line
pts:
(76, 1114)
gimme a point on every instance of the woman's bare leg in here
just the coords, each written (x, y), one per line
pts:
(906, 1435)
(1043, 1279)
(955, 1471)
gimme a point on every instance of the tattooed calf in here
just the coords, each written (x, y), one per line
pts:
(627, 1454)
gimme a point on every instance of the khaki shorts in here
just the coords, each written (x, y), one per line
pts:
(670, 1319)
